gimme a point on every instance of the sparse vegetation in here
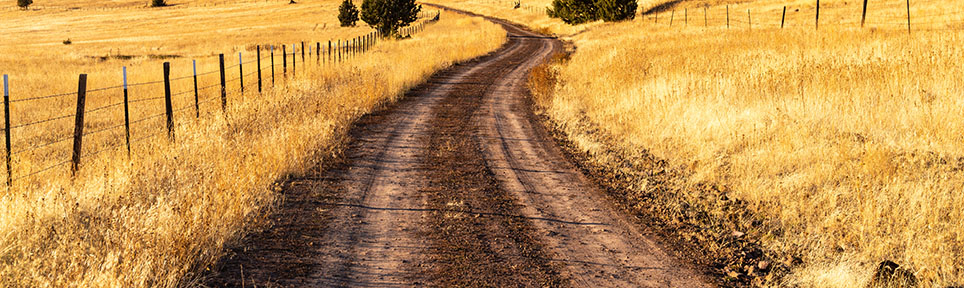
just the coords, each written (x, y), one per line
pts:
(347, 14)
(387, 16)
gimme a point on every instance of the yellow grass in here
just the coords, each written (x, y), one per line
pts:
(103, 41)
(157, 219)
(530, 13)
(847, 141)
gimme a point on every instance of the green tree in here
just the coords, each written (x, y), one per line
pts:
(158, 3)
(616, 10)
(573, 12)
(347, 14)
(23, 4)
(387, 16)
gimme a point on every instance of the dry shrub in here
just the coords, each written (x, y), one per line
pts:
(543, 78)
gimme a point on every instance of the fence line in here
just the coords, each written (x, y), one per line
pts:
(352, 47)
(809, 16)
(806, 16)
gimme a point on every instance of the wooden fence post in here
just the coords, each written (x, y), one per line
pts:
(317, 52)
(224, 89)
(259, 67)
(330, 56)
(727, 16)
(197, 104)
(6, 127)
(284, 60)
(705, 23)
(294, 57)
(784, 17)
(241, 72)
(671, 14)
(168, 106)
(79, 124)
(686, 19)
(127, 117)
(863, 15)
(339, 50)
(302, 52)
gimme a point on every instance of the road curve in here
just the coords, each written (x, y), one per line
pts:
(457, 184)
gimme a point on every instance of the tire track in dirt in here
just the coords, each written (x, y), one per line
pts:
(596, 243)
(454, 185)
(356, 223)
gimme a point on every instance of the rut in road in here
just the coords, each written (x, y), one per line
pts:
(456, 184)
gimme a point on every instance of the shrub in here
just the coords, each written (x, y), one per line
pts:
(387, 16)
(616, 10)
(575, 12)
(347, 14)
(158, 3)
(23, 4)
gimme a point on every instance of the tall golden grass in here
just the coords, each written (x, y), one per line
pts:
(531, 14)
(102, 42)
(847, 141)
(159, 218)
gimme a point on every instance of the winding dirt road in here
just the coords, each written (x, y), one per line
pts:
(456, 185)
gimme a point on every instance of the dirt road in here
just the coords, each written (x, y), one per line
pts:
(457, 184)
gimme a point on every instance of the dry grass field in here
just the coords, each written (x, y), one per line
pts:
(846, 144)
(530, 13)
(165, 214)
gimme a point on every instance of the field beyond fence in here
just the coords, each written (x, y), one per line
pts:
(127, 114)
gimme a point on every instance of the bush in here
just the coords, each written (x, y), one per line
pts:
(347, 14)
(158, 3)
(23, 4)
(387, 16)
(575, 12)
(616, 10)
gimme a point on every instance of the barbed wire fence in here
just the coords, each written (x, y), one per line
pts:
(849, 15)
(119, 135)
(908, 15)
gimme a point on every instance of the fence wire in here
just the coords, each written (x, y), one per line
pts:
(344, 49)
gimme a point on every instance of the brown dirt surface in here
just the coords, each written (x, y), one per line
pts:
(457, 184)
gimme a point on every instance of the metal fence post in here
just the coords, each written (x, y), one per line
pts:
(127, 117)
(168, 106)
(79, 124)
(6, 130)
